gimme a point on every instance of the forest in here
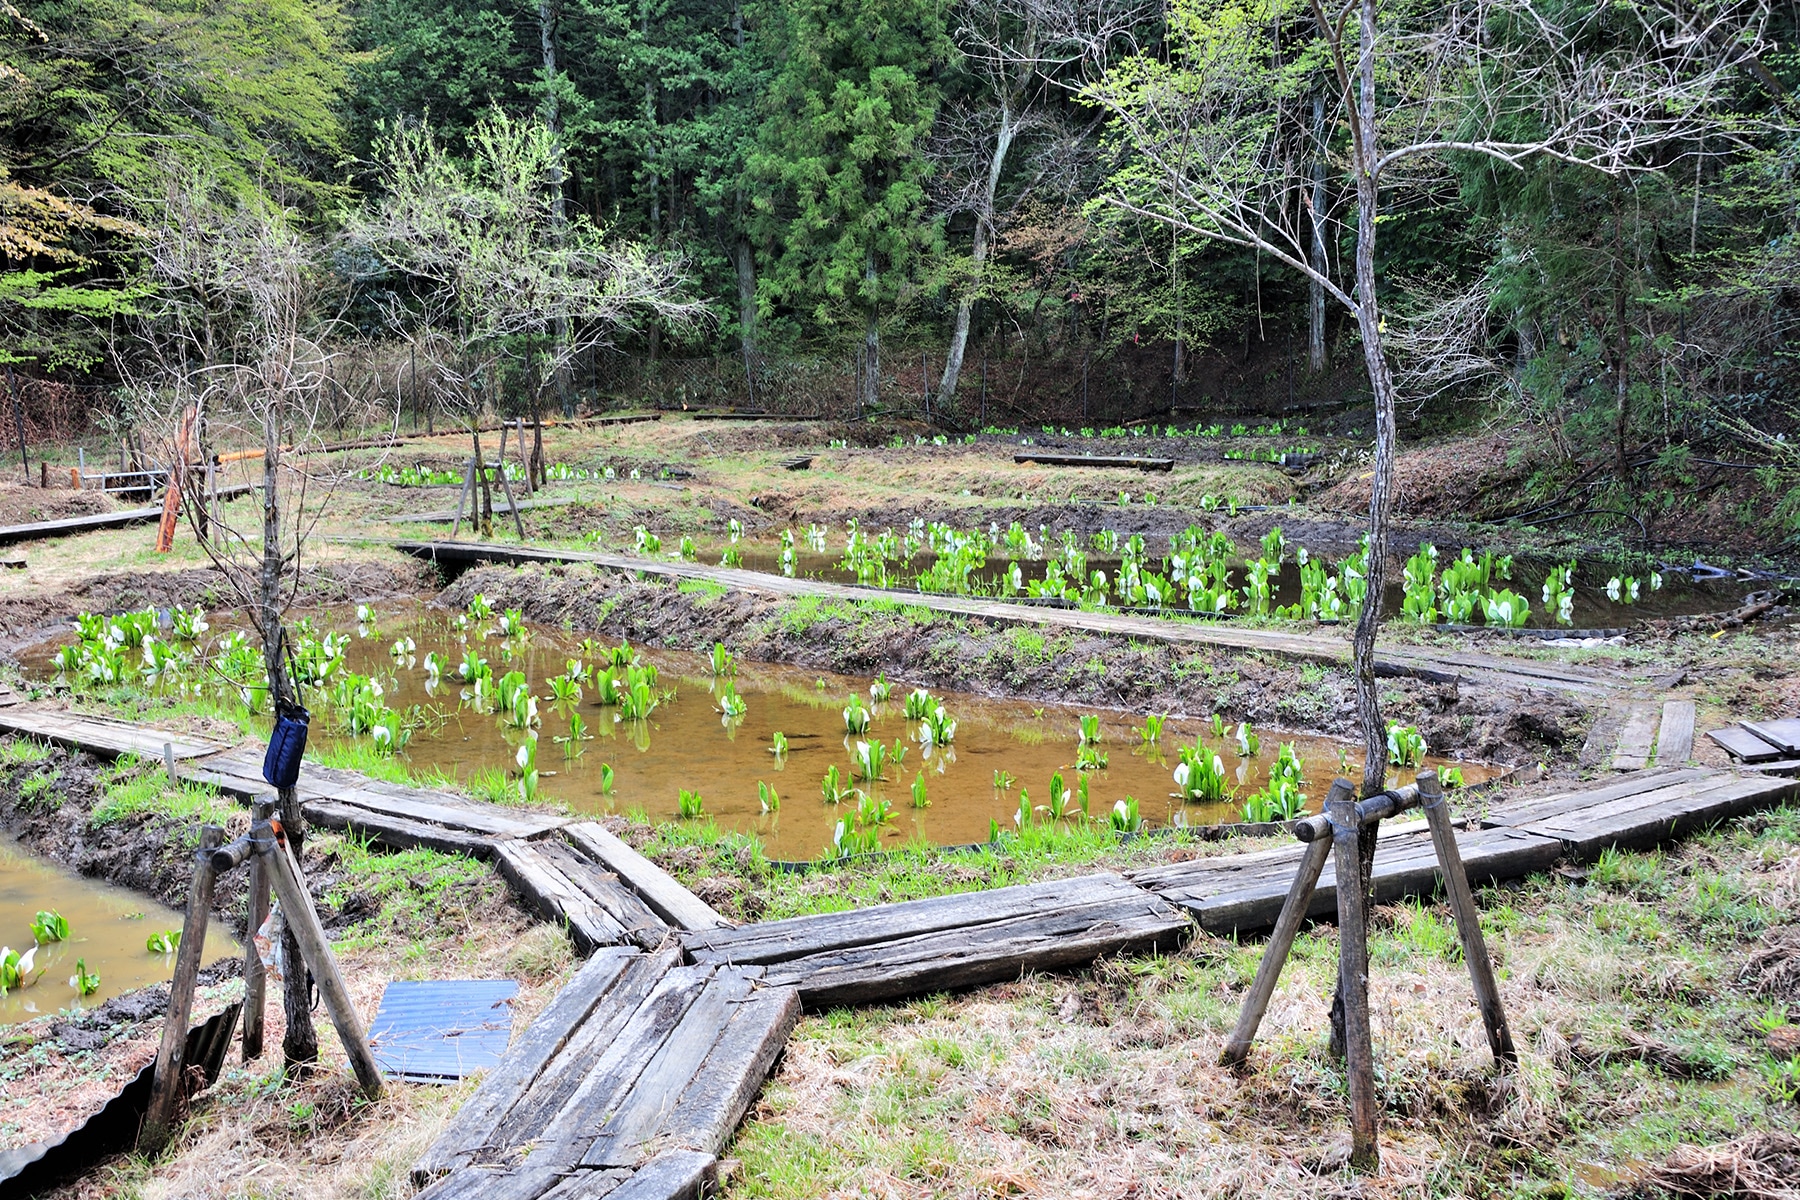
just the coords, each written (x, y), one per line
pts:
(1121, 209)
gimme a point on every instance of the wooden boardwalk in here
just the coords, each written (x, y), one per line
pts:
(632, 1081)
(1441, 665)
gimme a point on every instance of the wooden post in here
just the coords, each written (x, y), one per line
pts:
(467, 487)
(171, 1052)
(169, 762)
(1353, 979)
(1468, 917)
(256, 976)
(511, 501)
(303, 920)
(1287, 926)
(984, 389)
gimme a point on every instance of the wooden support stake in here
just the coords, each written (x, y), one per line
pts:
(256, 976)
(169, 762)
(1353, 979)
(467, 487)
(511, 501)
(1275, 956)
(297, 909)
(1468, 917)
(171, 1052)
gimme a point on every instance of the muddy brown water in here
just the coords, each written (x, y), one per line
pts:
(108, 927)
(688, 744)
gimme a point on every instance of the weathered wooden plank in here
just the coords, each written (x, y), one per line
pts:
(1629, 824)
(671, 1175)
(1675, 740)
(1745, 746)
(1048, 458)
(1783, 766)
(87, 523)
(473, 1126)
(395, 833)
(640, 924)
(1784, 734)
(988, 952)
(726, 1084)
(542, 1170)
(1639, 783)
(588, 1183)
(557, 900)
(796, 937)
(1227, 897)
(638, 1115)
(624, 1058)
(238, 772)
(1635, 739)
(582, 1050)
(103, 735)
(666, 897)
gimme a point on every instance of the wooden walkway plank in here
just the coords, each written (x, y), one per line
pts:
(667, 898)
(397, 833)
(1741, 744)
(636, 1116)
(87, 523)
(1784, 734)
(238, 772)
(991, 952)
(606, 1084)
(1631, 823)
(530, 1055)
(1244, 893)
(541, 883)
(103, 735)
(533, 1111)
(641, 925)
(799, 937)
(708, 1112)
(1048, 458)
(1675, 739)
(1649, 783)
(1635, 740)
(1177, 628)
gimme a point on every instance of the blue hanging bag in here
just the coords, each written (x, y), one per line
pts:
(287, 745)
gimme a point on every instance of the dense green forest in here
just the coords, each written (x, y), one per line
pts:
(1597, 235)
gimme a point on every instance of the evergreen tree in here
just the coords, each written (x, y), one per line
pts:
(838, 172)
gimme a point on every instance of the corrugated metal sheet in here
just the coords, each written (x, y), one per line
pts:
(439, 1030)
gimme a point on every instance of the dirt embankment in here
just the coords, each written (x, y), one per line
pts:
(24, 618)
(25, 505)
(970, 654)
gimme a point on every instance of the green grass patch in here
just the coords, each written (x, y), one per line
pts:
(23, 752)
(406, 896)
(132, 788)
(706, 589)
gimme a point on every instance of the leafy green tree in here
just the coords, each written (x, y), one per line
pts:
(838, 172)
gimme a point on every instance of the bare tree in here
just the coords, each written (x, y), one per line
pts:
(1223, 147)
(232, 335)
(1024, 53)
(493, 263)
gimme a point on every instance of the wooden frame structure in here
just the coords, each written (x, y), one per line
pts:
(1336, 834)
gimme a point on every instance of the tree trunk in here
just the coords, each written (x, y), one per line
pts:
(549, 17)
(745, 261)
(984, 232)
(1621, 355)
(299, 1040)
(1381, 381)
(871, 380)
(1317, 359)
